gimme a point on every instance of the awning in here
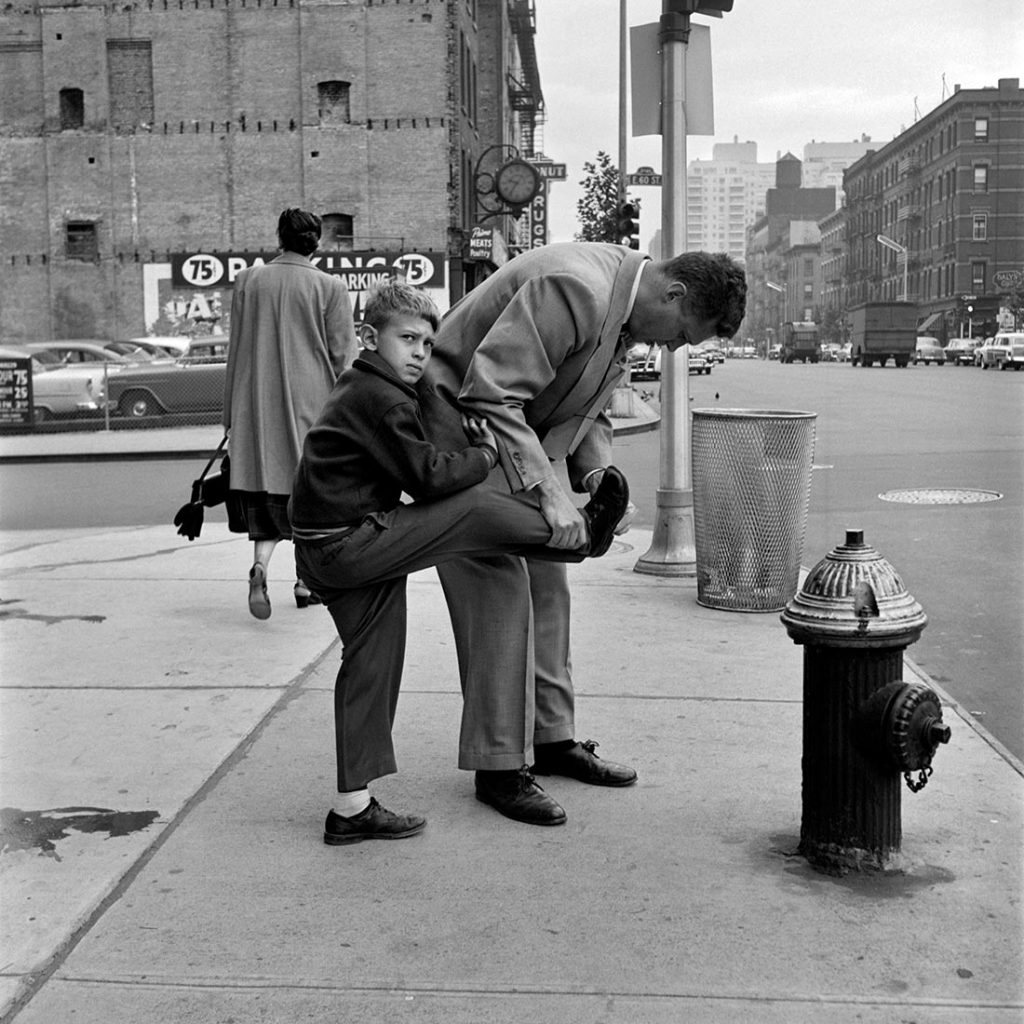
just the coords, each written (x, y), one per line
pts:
(928, 321)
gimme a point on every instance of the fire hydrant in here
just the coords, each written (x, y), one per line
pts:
(862, 724)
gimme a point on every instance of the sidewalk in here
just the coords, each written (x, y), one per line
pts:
(170, 762)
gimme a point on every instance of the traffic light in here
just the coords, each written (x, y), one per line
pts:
(628, 224)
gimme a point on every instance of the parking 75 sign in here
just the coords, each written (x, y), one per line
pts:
(359, 270)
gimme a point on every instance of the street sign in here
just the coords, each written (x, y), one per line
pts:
(644, 176)
(551, 172)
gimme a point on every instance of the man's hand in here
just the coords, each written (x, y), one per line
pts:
(568, 528)
(592, 482)
(478, 432)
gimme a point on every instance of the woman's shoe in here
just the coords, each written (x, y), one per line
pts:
(304, 596)
(259, 602)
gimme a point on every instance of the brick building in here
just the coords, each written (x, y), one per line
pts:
(949, 191)
(139, 135)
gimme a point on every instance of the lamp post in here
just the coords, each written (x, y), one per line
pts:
(896, 248)
(771, 285)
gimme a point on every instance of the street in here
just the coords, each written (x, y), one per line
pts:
(878, 430)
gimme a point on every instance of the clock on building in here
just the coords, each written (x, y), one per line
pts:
(517, 182)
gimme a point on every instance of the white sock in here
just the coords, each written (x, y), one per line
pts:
(354, 802)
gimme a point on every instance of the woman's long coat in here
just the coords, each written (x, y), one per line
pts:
(291, 336)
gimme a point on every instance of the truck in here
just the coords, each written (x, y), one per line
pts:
(799, 341)
(880, 331)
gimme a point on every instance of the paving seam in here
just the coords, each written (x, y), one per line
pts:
(522, 992)
(289, 692)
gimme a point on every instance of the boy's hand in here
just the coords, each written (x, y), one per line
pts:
(478, 432)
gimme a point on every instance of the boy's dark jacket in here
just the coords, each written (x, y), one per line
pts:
(367, 447)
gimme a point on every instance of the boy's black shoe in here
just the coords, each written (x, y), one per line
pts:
(517, 795)
(375, 822)
(605, 509)
(578, 761)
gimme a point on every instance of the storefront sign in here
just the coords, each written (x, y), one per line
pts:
(15, 391)
(359, 270)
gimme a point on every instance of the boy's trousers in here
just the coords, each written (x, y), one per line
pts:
(361, 576)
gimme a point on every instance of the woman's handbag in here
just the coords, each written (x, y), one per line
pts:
(208, 490)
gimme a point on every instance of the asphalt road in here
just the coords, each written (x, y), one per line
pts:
(885, 429)
(877, 430)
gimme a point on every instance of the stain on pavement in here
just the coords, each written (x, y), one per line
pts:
(42, 830)
(7, 612)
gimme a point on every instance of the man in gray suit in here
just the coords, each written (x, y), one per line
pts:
(536, 350)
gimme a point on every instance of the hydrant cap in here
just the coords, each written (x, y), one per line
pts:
(853, 597)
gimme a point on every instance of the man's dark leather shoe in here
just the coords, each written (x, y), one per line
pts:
(605, 509)
(517, 795)
(375, 822)
(580, 762)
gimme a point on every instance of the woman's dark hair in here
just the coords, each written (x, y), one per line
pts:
(717, 287)
(298, 231)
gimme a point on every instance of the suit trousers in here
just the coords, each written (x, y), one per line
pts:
(361, 577)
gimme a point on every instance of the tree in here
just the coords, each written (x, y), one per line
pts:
(598, 210)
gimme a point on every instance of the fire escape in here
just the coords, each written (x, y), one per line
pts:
(525, 96)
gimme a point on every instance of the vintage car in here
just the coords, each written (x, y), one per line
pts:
(59, 391)
(1004, 350)
(192, 383)
(960, 351)
(928, 350)
(73, 352)
(645, 362)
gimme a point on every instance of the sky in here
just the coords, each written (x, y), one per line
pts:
(784, 74)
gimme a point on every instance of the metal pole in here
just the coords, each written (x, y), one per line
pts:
(623, 46)
(673, 549)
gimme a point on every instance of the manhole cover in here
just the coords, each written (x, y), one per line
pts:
(940, 496)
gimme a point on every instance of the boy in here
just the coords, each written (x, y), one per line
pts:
(356, 543)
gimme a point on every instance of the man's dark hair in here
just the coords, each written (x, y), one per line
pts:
(299, 231)
(716, 285)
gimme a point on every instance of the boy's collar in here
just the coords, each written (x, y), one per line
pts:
(375, 363)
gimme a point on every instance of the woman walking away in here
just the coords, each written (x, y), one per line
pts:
(292, 334)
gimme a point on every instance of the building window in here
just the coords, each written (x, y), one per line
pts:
(335, 107)
(130, 75)
(981, 129)
(980, 221)
(72, 108)
(978, 278)
(981, 178)
(336, 232)
(81, 241)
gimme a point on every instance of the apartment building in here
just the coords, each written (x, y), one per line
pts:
(948, 194)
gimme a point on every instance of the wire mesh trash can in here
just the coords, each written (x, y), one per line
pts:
(751, 491)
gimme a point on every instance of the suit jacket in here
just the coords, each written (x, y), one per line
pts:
(533, 348)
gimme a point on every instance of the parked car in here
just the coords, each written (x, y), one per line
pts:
(59, 391)
(1004, 350)
(141, 351)
(193, 382)
(175, 344)
(844, 352)
(71, 352)
(928, 350)
(645, 362)
(960, 351)
(829, 352)
(711, 350)
(773, 352)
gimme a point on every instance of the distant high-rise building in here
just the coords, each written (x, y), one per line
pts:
(724, 195)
